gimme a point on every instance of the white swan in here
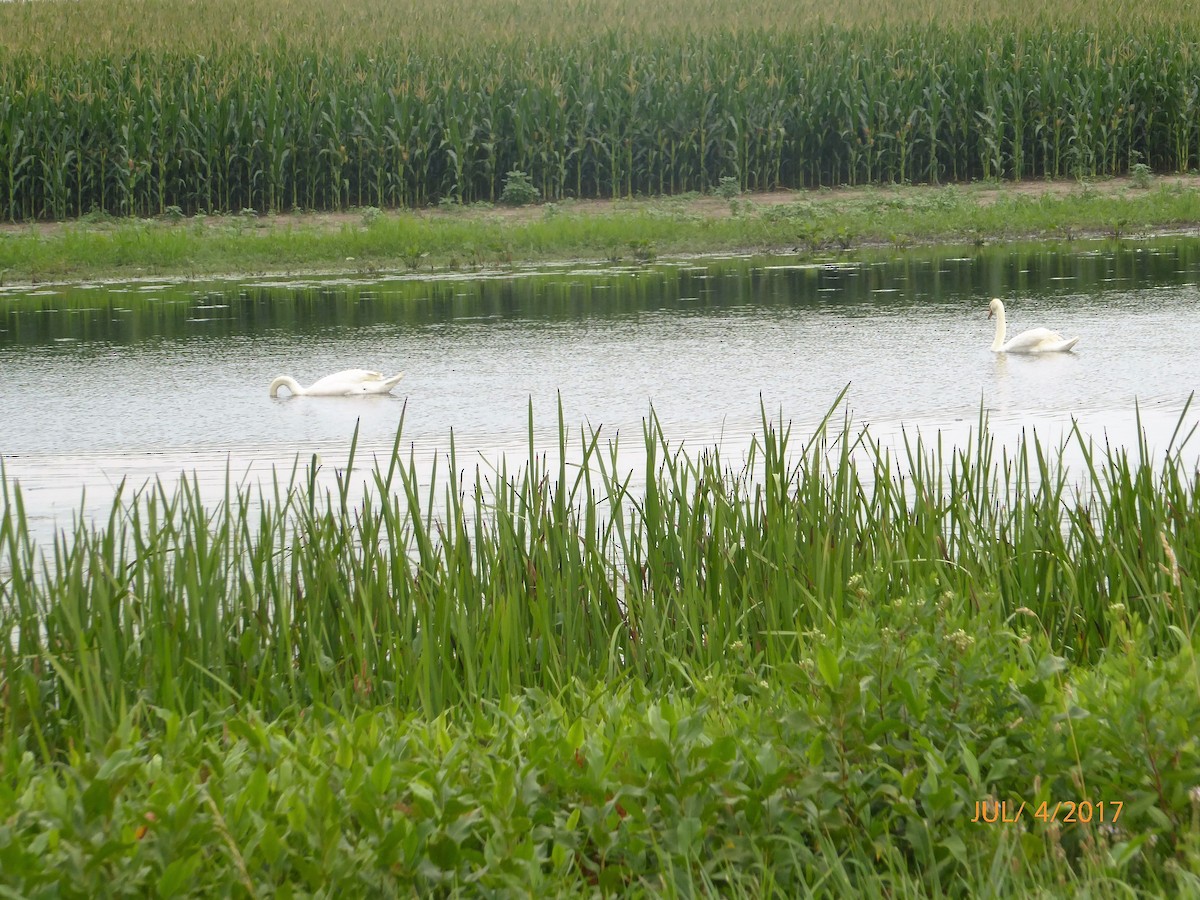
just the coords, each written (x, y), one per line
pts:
(1035, 340)
(348, 383)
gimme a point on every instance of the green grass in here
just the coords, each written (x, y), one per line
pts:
(815, 222)
(797, 675)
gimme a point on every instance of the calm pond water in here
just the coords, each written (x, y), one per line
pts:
(136, 380)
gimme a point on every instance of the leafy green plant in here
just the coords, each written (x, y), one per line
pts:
(642, 250)
(728, 188)
(871, 751)
(519, 190)
(413, 256)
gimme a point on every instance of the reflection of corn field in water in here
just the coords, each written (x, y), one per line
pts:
(379, 112)
(285, 595)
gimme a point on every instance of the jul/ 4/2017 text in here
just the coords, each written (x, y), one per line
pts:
(1082, 812)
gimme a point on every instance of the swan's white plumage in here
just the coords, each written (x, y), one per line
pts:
(347, 383)
(1035, 340)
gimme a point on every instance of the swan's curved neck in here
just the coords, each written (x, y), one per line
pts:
(288, 382)
(1001, 327)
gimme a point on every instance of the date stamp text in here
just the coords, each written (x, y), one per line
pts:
(1081, 812)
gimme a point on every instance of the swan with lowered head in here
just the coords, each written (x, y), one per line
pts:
(349, 383)
(1035, 340)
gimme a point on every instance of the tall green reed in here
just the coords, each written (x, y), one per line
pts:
(429, 588)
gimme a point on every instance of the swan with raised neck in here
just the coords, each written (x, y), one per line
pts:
(1035, 340)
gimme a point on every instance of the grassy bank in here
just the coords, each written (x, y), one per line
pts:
(464, 237)
(797, 675)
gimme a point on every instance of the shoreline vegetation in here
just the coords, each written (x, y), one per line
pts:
(810, 674)
(454, 237)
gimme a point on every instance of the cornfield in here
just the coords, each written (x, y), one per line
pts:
(274, 106)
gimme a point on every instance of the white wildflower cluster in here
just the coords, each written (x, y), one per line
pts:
(856, 586)
(961, 640)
